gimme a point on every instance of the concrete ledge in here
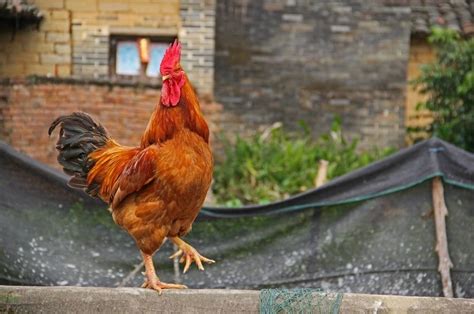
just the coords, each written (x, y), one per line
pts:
(134, 300)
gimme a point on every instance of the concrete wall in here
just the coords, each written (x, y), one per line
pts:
(291, 60)
(133, 300)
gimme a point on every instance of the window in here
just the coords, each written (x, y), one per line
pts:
(127, 58)
(137, 57)
(157, 51)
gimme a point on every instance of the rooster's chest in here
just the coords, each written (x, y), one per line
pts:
(184, 172)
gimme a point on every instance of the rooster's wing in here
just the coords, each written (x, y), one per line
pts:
(140, 171)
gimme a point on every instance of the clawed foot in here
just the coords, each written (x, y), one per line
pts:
(190, 254)
(157, 285)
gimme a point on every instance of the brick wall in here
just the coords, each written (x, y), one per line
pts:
(289, 60)
(192, 21)
(93, 21)
(46, 51)
(197, 34)
(73, 38)
(27, 108)
(72, 42)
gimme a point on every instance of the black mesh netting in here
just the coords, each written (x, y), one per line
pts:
(50, 235)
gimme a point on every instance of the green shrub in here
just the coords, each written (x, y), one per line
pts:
(275, 164)
(449, 84)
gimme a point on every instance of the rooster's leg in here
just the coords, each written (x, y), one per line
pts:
(152, 281)
(189, 254)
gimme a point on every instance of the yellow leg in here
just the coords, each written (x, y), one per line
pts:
(152, 281)
(189, 254)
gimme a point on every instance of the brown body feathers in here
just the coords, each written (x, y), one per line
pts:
(156, 189)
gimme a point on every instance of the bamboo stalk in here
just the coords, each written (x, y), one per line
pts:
(440, 213)
(322, 174)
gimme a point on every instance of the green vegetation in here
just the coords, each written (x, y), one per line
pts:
(449, 84)
(275, 164)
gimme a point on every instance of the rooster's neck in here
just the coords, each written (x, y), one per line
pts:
(165, 122)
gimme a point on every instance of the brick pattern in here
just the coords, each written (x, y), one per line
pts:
(27, 109)
(73, 41)
(197, 34)
(93, 21)
(288, 61)
(46, 51)
(74, 37)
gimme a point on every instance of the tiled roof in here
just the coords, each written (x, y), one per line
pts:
(454, 14)
(19, 9)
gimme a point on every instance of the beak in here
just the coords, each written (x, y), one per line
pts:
(165, 77)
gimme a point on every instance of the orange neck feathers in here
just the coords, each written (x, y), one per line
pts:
(165, 121)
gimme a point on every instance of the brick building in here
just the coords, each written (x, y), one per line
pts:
(311, 60)
(65, 55)
(263, 61)
(328, 58)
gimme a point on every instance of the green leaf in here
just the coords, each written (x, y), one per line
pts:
(257, 171)
(449, 84)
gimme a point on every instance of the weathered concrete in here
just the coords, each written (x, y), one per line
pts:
(134, 300)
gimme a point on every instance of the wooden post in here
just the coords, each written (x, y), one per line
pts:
(322, 174)
(440, 212)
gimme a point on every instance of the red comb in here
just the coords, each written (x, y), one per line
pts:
(171, 57)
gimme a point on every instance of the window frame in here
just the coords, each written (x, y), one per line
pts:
(114, 39)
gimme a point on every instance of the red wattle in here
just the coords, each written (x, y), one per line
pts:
(171, 90)
(170, 93)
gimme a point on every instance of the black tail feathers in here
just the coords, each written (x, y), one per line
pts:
(79, 136)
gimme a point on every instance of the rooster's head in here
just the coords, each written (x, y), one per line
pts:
(172, 74)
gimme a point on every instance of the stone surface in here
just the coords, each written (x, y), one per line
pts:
(134, 300)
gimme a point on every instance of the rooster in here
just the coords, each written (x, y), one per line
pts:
(154, 190)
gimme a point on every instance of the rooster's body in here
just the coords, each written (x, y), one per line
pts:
(154, 190)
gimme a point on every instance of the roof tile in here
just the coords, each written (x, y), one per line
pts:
(453, 14)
